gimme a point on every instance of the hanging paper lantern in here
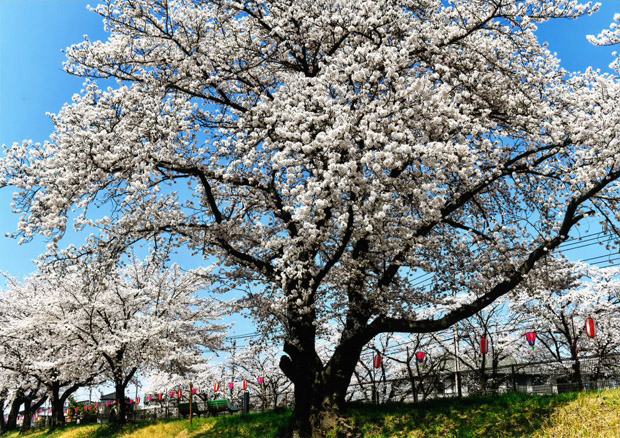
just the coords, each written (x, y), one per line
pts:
(194, 391)
(261, 381)
(160, 396)
(138, 401)
(484, 345)
(420, 355)
(590, 328)
(180, 394)
(131, 401)
(216, 387)
(245, 385)
(531, 339)
(376, 361)
(231, 385)
(172, 393)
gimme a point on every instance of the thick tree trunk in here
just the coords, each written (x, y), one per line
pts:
(30, 408)
(27, 423)
(58, 415)
(11, 422)
(319, 390)
(577, 368)
(2, 422)
(121, 403)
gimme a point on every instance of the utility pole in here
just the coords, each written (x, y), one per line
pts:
(457, 376)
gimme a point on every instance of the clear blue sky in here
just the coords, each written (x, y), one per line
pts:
(34, 32)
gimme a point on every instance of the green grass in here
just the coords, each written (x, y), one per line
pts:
(264, 425)
(593, 414)
(508, 415)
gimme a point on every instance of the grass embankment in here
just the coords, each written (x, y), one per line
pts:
(594, 414)
(265, 425)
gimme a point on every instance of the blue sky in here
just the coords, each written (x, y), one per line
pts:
(34, 32)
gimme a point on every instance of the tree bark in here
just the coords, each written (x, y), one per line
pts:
(2, 422)
(320, 390)
(27, 423)
(30, 408)
(11, 422)
(121, 403)
(414, 391)
(576, 368)
(57, 402)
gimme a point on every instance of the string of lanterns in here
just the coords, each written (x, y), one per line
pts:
(484, 344)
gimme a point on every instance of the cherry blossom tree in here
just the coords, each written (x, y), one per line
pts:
(31, 313)
(504, 332)
(565, 296)
(143, 317)
(261, 360)
(330, 152)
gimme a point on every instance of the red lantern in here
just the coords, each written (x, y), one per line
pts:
(131, 401)
(216, 387)
(160, 396)
(107, 403)
(150, 398)
(180, 394)
(231, 385)
(172, 393)
(138, 401)
(420, 355)
(531, 339)
(484, 345)
(590, 328)
(194, 391)
(245, 385)
(96, 405)
(261, 381)
(376, 362)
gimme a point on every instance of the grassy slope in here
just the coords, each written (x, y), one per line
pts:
(595, 414)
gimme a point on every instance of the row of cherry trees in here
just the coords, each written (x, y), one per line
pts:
(555, 306)
(86, 324)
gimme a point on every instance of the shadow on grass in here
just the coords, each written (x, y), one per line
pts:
(506, 415)
(261, 425)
